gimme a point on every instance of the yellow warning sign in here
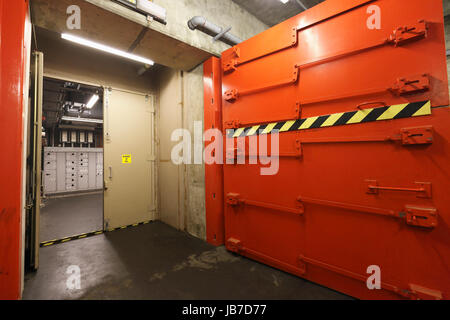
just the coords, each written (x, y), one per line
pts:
(126, 158)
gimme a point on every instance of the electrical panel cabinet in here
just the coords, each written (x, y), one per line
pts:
(72, 169)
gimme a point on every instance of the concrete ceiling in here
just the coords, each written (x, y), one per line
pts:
(107, 27)
(272, 12)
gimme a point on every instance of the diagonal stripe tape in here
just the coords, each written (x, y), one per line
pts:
(318, 123)
(253, 130)
(287, 126)
(425, 110)
(409, 110)
(278, 126)
(344, 118)
(399, 111)
(269, 128)
(308, 122)
(374, 114)
(297, 124)
(332, 120)
(391, 112)
(238, 132)
(86, 235)
(359, 116)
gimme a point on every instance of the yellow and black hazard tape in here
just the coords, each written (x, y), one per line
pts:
(88, 235)
(399, 111)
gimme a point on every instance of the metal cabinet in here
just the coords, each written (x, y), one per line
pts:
(72, 169)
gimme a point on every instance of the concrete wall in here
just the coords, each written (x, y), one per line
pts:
(170, 117)
(195, 222)
(182, 187)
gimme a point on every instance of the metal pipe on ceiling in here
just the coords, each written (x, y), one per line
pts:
(200, 23)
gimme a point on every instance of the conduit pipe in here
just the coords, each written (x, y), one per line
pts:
(200, 23)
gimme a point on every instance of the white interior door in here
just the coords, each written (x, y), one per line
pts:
(129, 158)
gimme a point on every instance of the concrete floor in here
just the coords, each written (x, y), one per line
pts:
(67, 216)
(155, 261)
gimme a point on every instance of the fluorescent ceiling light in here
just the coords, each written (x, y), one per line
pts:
(284, 1)
(104, 48)
(92, 102)
(85, 120)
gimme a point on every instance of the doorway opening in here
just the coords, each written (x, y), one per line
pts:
(72, 159)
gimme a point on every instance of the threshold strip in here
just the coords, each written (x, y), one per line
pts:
(88, 235)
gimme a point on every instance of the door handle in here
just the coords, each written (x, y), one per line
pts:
(423, 188)
(110, 173)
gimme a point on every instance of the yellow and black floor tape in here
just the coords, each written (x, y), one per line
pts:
(88, 235)
(399, 111)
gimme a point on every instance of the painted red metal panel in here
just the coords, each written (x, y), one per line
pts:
(352, 196)
(215, 231)
(13, 53)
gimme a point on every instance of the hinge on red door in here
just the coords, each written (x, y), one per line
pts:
(417, 135)
(297, 111)
(406, 34)
(301, 264)
(417, 292)
(298, 148)
(234, 245)
(231, 95)
(233, 199)
(421, 216)
(230, 66)
(232, 124)
(411, 85)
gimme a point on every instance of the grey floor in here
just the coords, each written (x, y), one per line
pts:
(67, 216)
(155, 261)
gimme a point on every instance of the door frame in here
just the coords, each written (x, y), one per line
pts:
(51, 76)
(34, 169)
(154, 161)
(153, 124)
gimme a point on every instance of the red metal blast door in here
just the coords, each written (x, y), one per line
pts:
(358, 92)
(13, 55)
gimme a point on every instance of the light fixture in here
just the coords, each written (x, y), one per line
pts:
(105, 48)
(84, 120)
(92, 102)
(284, 1)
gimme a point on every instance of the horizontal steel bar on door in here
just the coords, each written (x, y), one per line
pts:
(413, 292)
(88, 234)
(398, 37)
(400, 111)
(422, 217)
(235, 200)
